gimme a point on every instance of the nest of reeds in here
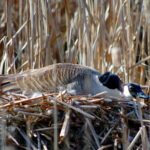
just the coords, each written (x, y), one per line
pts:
(107, 35)
(61, 121)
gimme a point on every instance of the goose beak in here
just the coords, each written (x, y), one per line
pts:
(141, 94)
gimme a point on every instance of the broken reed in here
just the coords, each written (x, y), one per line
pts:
(38, 33)
(107, 35)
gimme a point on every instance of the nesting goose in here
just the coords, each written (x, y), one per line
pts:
(74, 78)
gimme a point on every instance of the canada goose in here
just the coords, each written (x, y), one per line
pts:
(74, 78)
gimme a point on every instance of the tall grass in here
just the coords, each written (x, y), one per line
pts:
(109, 35)
(38, 33)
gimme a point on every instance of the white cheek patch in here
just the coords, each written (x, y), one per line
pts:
(126, 92)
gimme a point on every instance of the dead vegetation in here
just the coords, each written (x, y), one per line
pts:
(107, 35)
(61, 121)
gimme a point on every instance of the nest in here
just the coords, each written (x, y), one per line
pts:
(65, 122)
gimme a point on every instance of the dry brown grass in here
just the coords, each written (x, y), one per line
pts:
(107, 35)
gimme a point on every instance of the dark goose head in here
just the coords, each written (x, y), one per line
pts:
(130, 90)
(134, 90)
(111, 81)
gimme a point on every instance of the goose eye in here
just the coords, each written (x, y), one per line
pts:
(131, 88)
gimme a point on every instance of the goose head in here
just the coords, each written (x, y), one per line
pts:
(129, 90)
(134, 90)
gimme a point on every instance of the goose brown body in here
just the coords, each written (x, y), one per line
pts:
(50, 78)
(74, 78)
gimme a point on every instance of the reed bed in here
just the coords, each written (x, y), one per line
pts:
(62, 121)
(106, 35)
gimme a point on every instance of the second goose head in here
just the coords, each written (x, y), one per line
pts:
(129, 90)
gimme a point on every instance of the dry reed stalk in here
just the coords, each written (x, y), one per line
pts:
(76, 109)
(65, 127)
(29, 110)
(105, 147)
(94, 134)
(39, 33)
